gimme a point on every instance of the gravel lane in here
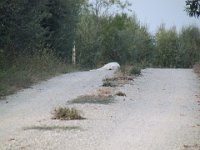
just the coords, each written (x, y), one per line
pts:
(33, 104)
(161, 111)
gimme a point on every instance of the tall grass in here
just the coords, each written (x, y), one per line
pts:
(132, 70)
(28, 70)
(196, 68)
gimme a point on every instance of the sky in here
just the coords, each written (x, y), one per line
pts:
(155, 12)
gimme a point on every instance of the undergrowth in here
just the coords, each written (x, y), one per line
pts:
(196, 68)
(130, 70)
(28, 70)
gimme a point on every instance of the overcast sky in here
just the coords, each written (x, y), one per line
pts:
(154, 12)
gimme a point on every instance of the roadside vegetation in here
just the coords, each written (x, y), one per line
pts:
(196, 68)
(37, 37)
(29, 70)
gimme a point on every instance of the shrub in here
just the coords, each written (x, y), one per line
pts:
(135, 70)
(64, 113)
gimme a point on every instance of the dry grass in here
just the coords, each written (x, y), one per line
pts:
(132, 70)
(93, 99)
(108, 83)
(120, 94)
(117, 80)
(64, 113)
(196, 68)
(105, 91)
(29, 70)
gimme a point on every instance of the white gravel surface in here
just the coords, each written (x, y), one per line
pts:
(161, 111)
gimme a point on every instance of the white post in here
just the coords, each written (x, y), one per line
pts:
(74, 55)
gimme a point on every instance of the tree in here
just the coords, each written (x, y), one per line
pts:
(189, 47)
(20, 32)
(166, 47)
(193, 8)
(30, 26)
(60, 24)
(93, 27)
(88, 40)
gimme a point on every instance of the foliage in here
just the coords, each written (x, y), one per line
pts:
(60, 25)
(88, 41)
(28, 26)
(30, 69)
(135, 70)
(64, 113)
(166, 47)
(193, 8)
(34, 35)
(189, 46)
(177, 50)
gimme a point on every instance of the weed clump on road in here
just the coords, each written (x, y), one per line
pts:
(120, 94)
(108, 82)
(93, 99)
(64, 113)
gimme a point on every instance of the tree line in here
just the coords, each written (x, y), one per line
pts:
(32, 27)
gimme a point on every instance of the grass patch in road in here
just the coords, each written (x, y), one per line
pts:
(117, 80)
(108, 83)
(65, 113)
(120, 94)
(92, 99)
(50, 128)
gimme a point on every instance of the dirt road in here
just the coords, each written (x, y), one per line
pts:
(161, 111)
